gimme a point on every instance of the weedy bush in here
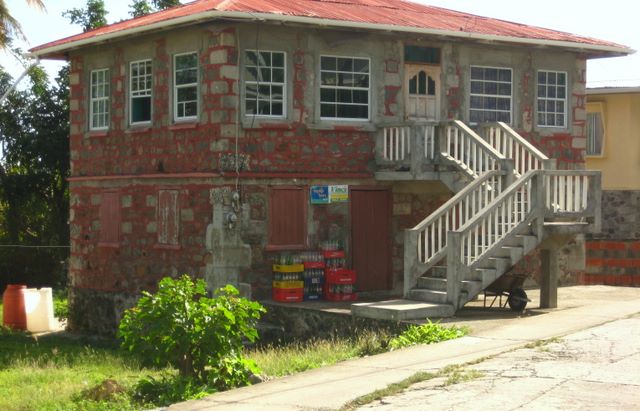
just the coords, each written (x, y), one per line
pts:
(428, 333)
(199, 336)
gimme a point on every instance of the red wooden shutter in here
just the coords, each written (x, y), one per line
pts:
(168, 218)
(110, 217)
(287, 217)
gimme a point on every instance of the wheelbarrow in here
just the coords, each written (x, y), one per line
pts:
(510, 287)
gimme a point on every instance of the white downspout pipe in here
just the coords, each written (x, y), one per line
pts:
(15, 84)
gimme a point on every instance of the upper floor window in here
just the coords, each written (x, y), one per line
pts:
(185, 86)
(552, 98)
(490, 94)
(141, 83)
(344, 88)
(265, 83)
(99, 104)
(595, 129)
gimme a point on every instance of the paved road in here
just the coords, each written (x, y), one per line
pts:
(595, 369)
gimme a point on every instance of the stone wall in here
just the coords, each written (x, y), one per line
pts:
(299, 149)
(613, 255)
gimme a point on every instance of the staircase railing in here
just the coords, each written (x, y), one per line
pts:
(574, 194)
(425, 244)
(534, 196)
(469, 151)
(407, 143)
(511, 145)
(517, 206)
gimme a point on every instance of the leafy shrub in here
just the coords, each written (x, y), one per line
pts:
(60, 304)
(199, 336)
(428, 333)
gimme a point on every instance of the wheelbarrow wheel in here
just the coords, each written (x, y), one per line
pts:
(517, 299)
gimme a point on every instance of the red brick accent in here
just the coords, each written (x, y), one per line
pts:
(612, 262)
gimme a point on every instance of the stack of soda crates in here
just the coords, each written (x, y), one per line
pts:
(313, 275)
(288, 285)
(339, 281)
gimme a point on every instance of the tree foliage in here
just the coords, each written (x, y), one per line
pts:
(34, 133)
(93, 16)
(9, 26)
(142, 7)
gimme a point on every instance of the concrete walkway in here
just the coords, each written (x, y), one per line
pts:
(494, 331)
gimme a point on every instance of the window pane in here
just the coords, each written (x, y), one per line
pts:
(186, 61)
(186, 77)
(344, 96)
(328, 63)
(140, 109)
(278, 75)
(422, 83)
(328, 79)
(327, 94)
(252, 74)
(187, 93)
(328, 110)
(345, 64)
(361, 96)
(191, 109)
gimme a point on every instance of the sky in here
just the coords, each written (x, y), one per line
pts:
(614, 20)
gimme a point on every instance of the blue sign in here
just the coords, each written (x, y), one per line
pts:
(319, 194)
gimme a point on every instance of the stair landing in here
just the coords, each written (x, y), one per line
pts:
(401, 310)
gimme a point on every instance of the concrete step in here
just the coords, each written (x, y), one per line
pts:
(401, 310)
(501, 265)
(440, 284)
(515, 253)
(529, 243)
(432, 283)
(484, 274)
(430, 296)
(439, 271)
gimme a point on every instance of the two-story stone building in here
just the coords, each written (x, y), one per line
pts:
(197, 132)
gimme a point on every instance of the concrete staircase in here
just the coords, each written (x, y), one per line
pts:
(515, 199)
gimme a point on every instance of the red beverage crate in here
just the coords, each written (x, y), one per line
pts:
(340, 276)
(333, 254)
(288, 295)
(313, 264)
(340, 296)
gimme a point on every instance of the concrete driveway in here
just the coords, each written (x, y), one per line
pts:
(594, 369)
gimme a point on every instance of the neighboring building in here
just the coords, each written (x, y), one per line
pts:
(197, 132)
(613, 147)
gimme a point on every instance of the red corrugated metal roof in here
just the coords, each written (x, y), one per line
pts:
(399, 13)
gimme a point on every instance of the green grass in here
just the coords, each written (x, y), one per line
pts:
(52, 372)
(298, 357)
(55, 373)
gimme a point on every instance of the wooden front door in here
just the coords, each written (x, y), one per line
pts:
(422, 88)
(371, 238)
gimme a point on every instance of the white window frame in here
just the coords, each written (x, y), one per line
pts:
(483, 95)
(336, 87)
(259, 82)
(176, 86)
(555, 100)
(596, 108)
(140, 93)
(103, 84)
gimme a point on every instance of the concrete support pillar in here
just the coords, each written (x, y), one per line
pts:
(549, 280)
